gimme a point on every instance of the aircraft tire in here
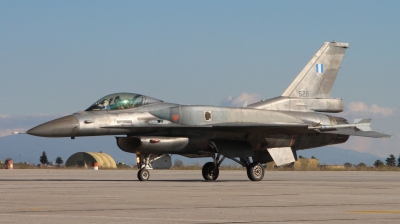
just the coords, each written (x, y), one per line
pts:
(209, 171)
(255, 172)
(143, 175)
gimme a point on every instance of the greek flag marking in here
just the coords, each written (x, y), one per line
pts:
(319, 68)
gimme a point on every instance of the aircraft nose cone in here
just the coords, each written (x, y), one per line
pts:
(62, 127)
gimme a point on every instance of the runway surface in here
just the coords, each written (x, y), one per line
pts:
(172, 196)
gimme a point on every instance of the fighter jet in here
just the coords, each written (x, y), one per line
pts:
(269, 130)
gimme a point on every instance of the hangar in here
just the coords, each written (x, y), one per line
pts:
(87, 159)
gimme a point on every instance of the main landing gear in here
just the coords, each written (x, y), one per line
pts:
(210, 171)
(255, 171)
(143, 163)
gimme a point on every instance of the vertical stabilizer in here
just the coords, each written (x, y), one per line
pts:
(318, 76)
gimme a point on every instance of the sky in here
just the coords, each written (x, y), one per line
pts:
(58, 57)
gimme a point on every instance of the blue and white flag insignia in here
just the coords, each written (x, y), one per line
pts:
(319, 68)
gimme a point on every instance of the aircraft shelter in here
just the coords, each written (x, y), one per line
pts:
(87, 159)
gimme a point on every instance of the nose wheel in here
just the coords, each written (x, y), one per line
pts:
(143, 175)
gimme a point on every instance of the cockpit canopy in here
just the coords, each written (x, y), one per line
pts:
(122, 101)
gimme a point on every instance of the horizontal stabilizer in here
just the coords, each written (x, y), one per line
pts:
(362, 121)
(352, 132)
(361, 127)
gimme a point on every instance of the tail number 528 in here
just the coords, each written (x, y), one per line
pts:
(304, 93)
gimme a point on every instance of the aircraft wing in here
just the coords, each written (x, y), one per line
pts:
(361, 127)
(250, 128)
(283, 128)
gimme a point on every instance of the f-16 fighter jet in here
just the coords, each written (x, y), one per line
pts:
(269, 130)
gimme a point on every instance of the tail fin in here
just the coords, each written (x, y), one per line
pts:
(311, 89)
(318, 76)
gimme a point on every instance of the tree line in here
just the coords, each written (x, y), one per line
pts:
(43, 159)
(390, 161)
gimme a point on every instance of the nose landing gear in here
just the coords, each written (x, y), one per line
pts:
(143, 163)
(143, 175)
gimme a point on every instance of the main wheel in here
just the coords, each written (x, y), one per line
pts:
(210, 171)
(255, 172)
(143, 175)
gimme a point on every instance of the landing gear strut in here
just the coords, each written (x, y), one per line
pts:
(210, 170)
(255, 171)
(143, 163)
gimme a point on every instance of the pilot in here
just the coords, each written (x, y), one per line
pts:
(105, 105)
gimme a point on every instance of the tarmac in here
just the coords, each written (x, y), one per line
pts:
(182, 196)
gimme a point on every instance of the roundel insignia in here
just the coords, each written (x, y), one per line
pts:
(175, 117)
